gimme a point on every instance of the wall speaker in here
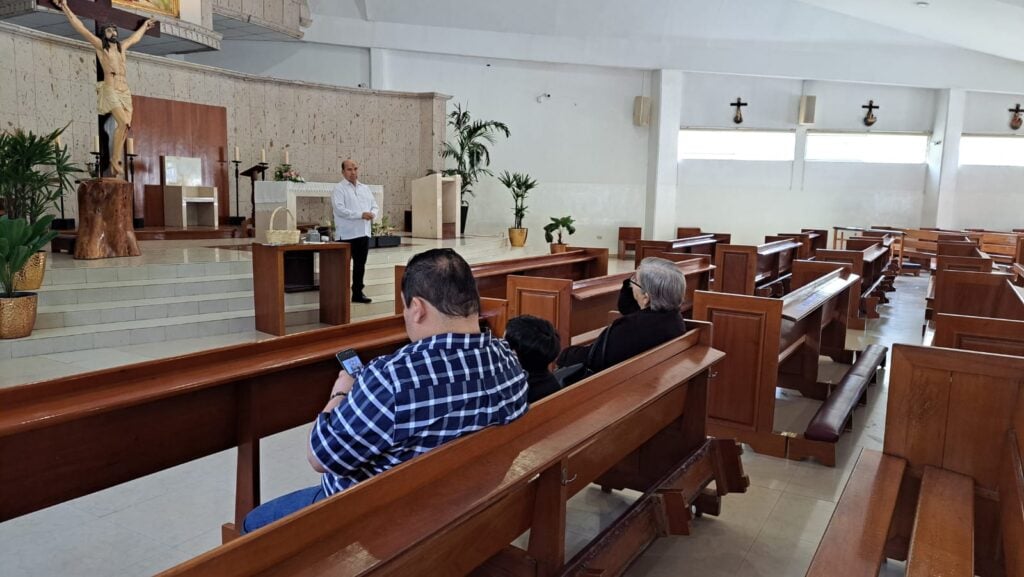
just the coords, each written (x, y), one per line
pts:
(807, 104)
(641, 110)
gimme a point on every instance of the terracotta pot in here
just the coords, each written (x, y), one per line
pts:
(30, 277)
(557, 247)
(517, 236)
(17, 315)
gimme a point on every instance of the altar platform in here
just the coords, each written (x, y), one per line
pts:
(182, 296)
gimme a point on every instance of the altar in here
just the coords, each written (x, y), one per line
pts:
(272, 194)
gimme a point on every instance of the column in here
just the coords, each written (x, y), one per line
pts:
(378, 68)
(944, 160)
(663, 154)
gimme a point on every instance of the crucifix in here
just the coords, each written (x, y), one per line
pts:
(870, 117)
(113, 97)
(1015, 120)
(739, 104)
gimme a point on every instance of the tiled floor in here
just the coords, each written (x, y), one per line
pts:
(153, 523)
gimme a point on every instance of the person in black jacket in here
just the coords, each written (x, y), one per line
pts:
(657, 287)
(536, 343)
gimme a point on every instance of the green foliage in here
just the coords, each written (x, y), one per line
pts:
(34, 173)
(559, 224)
(469, 149)
(520, 185)
(19, 240)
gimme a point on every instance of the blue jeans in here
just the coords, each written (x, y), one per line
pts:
(283, 506)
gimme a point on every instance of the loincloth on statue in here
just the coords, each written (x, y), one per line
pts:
(109, 98)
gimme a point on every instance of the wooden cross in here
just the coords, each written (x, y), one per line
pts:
(739, 104)
(102, 11)
(1015, 120)
(870, 118)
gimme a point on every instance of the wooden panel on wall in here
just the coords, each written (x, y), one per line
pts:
(171, 128)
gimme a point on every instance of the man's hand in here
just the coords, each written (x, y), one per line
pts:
(367, 216)
(343, 384)
(148, 24)
(60, 4)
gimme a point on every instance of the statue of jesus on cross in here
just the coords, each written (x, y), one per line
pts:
(112, 95)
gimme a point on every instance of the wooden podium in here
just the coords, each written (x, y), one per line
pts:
(268, 276)
(436, 206)
(105, 220)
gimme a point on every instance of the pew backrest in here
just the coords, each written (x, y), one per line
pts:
(449, 510)
(741, 269)
(977, 294)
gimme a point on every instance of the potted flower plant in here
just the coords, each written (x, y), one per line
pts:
(556, 226)
(35, 173)
(383, 234)
(285, 173)
(19, 240)
(519, 185)
(469, 151)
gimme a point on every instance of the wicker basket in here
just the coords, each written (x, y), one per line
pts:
(282, 236)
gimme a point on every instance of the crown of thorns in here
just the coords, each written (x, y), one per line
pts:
(108, 26)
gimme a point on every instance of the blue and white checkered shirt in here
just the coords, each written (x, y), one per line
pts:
(424, 395)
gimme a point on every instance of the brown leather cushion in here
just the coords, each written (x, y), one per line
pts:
(828, 422)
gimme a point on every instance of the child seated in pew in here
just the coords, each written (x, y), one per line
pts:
(536, 343)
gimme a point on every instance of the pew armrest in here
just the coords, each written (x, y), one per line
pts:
(856, 534)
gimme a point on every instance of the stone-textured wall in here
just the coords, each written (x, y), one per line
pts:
(47, 82)
(280, 15)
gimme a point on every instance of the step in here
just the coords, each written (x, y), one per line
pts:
(125, 333)
(133, 290)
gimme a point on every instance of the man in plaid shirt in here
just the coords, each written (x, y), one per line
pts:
(451, 380)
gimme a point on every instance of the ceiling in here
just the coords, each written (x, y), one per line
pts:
(995, 27)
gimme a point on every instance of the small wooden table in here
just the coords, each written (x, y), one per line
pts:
(268, 283)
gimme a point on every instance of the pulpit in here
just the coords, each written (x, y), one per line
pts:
(436, 206)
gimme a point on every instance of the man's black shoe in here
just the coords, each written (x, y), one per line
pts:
(361, 299)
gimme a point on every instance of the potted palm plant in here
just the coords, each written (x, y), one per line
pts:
(519, 185)
(470, 152)
(19, 240)
(35, 173)
(556, 226)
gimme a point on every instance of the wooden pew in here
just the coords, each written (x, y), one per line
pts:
(982, 334)
(455, 510)
(576, 263)
(810, 239)
(773, 343)
(871, 265)
(749, 270)
(76, 435)
(972, 261)
(696, 245)
(577, 307)
(690, 231)
(628, 237)
(947, 495)
(978, 294)
(1004, 247)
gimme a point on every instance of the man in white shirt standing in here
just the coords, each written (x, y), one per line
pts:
(354, 211)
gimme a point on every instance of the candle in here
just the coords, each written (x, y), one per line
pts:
(60, 145)
(238, 157)
(130, 148)
(286, 159)
(263, 155)
(96, 143)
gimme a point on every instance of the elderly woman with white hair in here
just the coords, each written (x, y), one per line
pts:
(658, 287)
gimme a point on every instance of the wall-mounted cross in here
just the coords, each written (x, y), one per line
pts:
(1016, 120)
(870, 117)
(739, 104)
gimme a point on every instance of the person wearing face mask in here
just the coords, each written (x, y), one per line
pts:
(650, 318)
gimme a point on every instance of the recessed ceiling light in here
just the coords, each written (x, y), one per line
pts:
(923, 4)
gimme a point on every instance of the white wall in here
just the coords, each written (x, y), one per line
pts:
(902, 109)
(305, 61)
(988, 113)
(580, 144)
(990, 197)
(772, 103)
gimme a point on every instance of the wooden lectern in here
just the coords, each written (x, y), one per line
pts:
(436, 206)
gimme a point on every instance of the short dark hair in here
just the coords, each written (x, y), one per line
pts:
(534, 340)
(442, 278)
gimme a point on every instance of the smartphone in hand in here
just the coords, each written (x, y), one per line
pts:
(350, 361)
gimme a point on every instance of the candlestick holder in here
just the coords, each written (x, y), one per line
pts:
(137, 221)
(238, 219)
(97, 167)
